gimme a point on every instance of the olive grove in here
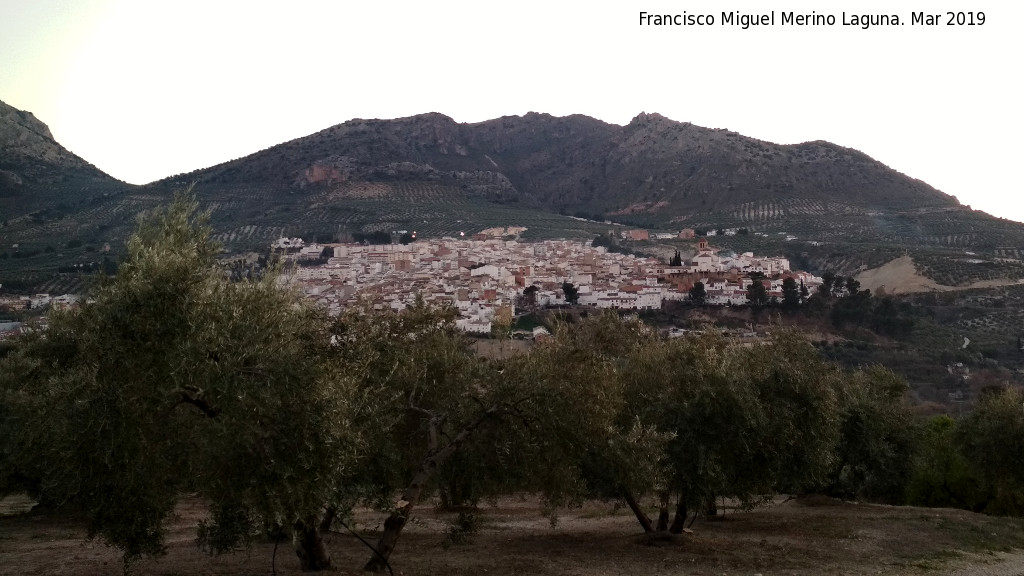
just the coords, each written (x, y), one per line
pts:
(175, 379)
(171, 381)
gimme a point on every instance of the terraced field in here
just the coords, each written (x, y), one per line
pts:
(988, 316)
(997, 322)
(961, 269)
(953, 246)
(430, 209)
(33, 247)
(818, 220)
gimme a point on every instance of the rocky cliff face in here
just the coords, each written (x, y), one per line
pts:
(30, 156)
(19, 128)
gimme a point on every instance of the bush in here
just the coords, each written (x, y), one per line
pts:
(461, 530)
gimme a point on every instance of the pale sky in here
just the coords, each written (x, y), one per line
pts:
(144, 90)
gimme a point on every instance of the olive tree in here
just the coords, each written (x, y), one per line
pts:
(741, 421)
(450, 422)
(172, 380)
(431, 397)
(990, 437)
(879, 437)
(590, 443)
(941, 475)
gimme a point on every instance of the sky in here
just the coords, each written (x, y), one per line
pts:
(145, 90)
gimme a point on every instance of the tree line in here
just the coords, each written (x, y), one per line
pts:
(840, 299)
(176, 379)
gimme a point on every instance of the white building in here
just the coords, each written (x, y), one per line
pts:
(287, 243)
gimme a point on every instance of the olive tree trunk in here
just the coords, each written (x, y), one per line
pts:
(711, 506)
(641, 516)
(310, 547)
(663, 512)
(679, 522)
(410, 497)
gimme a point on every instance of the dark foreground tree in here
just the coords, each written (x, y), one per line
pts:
(172, 380)
(619, 455)
(451, 422)
(432, 398)
(991, 437)
(791, 297)
(740, 422)
(878, 439)
(941, 476)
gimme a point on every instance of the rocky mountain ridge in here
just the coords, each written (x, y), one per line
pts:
(652, 168)
(822, 205)
(30, 157)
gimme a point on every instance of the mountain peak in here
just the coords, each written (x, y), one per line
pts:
(30, 155)
(12, 119)
(648, 118)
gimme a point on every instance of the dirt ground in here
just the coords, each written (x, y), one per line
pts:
(799, 537)
(900, 276)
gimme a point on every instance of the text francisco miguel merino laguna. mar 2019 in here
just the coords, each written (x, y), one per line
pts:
(773, 18)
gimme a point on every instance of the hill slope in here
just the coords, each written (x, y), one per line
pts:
(653, 172)
(32, 161)
(822, 205)
(653, 166)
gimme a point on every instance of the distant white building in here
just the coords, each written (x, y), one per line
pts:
(287, 243)
(706, 260)
(478, 275)
(39, 300)
(473, 325)
(311, 252)
(65, 301)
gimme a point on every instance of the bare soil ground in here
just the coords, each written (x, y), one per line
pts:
(900, 276)
(800, 537)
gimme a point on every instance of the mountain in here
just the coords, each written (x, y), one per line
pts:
(32, 161)
(57, 211)
(822, 205)
(652, 170)
(817, 202)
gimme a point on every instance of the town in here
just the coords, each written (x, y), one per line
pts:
(485, 273)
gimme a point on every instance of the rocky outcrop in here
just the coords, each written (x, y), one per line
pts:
(30, 155)
(330, 170)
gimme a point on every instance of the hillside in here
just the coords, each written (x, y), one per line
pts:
(653, 168)
(822, 205)
(32, 162)
(653, 172)
(57, 211)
